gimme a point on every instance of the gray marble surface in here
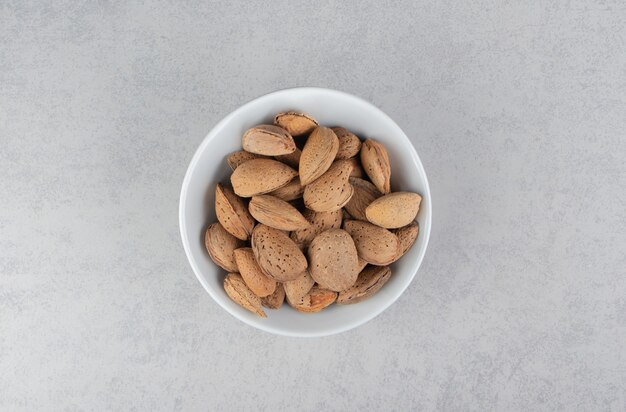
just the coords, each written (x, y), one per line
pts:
(518, 110)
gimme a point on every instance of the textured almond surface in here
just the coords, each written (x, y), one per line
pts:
(333, 260)
(297, 288)
(258, 176)
(361, 265)
(292, 159)
(320, 221)
(349, 143)
(237, 290)
(318, 154)
(276, 213)
(239, 157)
(258, 282)
(394, 210)
(277, 255)
(332, 190)
(407, 236)
(370, 281)
(357, 169)
(364, 194)
(375, 161)
(295, 123)
(314, 301)
(375, 245)
(291, 191)
(268, 140)
(276, 299)
(220, 244)
(232, 213)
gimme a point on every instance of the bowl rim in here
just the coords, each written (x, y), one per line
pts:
(183, 226)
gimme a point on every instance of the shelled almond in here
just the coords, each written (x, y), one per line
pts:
(311, 220)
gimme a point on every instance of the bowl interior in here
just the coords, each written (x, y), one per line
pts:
(208, 167)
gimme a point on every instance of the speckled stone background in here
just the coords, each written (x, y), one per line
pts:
(518, 110)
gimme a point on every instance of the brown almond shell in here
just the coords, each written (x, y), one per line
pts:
(394, 210)
(375, 161)
(364, 194)
(314, 301)
(276, 299)
(349, 143)
(291, 191)
(333, 260)
(220, 245)
(295, 123)
(374, 244)
(320, 221)
(232, 213)
(238, 291)
(318, 154)
(259, 176)
(268, 140)
(277, 255)
(276, 213)
(258, 282)
(241, 156)
(297, 288)
(370, 281)
(406, 236)
(332, 190)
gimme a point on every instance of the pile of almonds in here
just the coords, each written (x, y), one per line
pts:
(321, 225)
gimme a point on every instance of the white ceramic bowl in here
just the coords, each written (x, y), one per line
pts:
(330, 108)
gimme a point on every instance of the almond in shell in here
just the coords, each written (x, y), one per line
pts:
(239, 157)
(259, 176)
(268, 140)
(291, 191)
(314, 301)
(276, 299)
(375, 161)
(232, 213)
(369, 282)
(292, 159)
(349, 143)
(277, 255)
(332, 190)
(320, 221)
(364, 194)
(394, 210)
(297, 288)
(276, 213)
(375, 245)
(318, 154)
(220, 244)
(333, 260)
(295, 123)
(258, 282)
(237, 290)
(407, 236)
